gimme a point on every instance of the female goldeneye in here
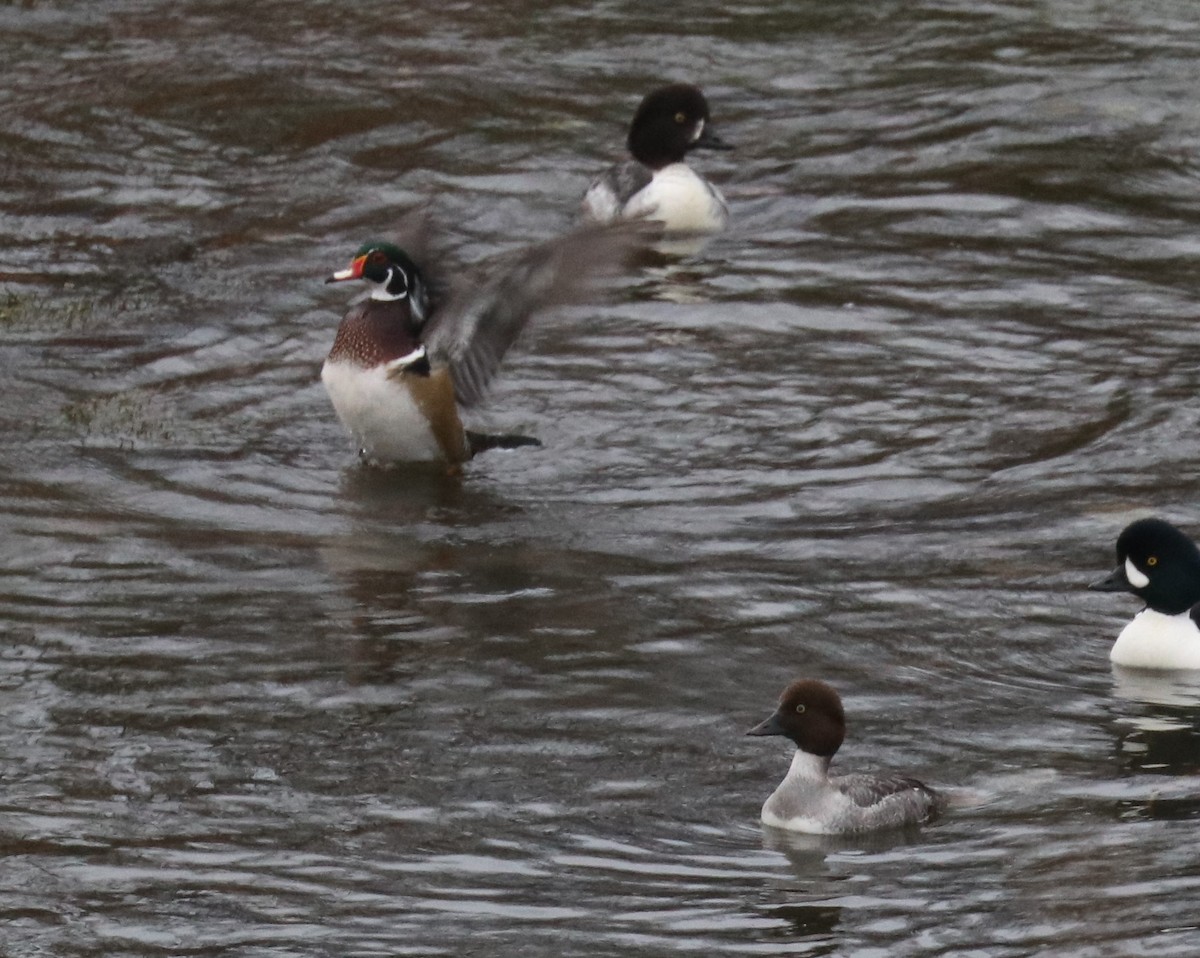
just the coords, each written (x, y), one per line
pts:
(656, 184)
(809, 799)
(407, 357)
(1161, 566)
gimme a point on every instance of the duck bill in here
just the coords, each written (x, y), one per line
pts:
(770, 726)
(1115, 581)
(708, 140)
(353, 271)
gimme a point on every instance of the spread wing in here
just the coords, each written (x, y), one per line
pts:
(476, 328)
(419, 238)
(868, 790)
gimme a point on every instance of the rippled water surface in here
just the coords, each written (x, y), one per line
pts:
(259, 700)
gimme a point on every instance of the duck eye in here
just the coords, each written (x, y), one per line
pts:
(377, 258)
(680, 117)
(800, 709)
(1152, 561)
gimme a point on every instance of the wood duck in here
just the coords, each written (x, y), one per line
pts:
(406, 358)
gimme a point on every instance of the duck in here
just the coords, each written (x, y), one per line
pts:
(809, 799)
(415, 353)
(655, 183)
(1160, 564)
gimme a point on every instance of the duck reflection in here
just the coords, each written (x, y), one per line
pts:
(670, 272)
(1158, 733)
(818, 875)
(398, 555)
(436, 570)
(806, 922)
(1170, 689)
(807, 852)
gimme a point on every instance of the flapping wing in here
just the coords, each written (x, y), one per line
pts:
(474, 331)
(425, 246)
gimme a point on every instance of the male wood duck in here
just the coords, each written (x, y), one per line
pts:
(656, 183)
(410, 355)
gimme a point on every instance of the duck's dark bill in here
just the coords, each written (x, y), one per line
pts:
(1116, 581)
(770, 726)
(708, 140)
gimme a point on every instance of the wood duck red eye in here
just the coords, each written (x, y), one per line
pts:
(377, 258)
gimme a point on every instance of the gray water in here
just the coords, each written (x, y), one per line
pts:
(259, 700)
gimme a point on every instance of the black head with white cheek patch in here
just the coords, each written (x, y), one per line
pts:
(1159, 564)
(810, 714)
(669, 122)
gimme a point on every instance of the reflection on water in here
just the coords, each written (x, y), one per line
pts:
(1158, 732)
(260, 700)
(1177, 690)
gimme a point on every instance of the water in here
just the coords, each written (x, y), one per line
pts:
(257, 700)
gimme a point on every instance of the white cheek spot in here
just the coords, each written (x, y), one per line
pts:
(1135, 576)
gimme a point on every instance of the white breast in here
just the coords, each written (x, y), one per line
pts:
(682, 201)
(808, 800)
(1157, 641)
(804, 800)
(380, 413)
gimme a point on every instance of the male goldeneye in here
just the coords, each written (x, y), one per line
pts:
(407, 357)
(657, 184)
(809, 799)
(1161, 566)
